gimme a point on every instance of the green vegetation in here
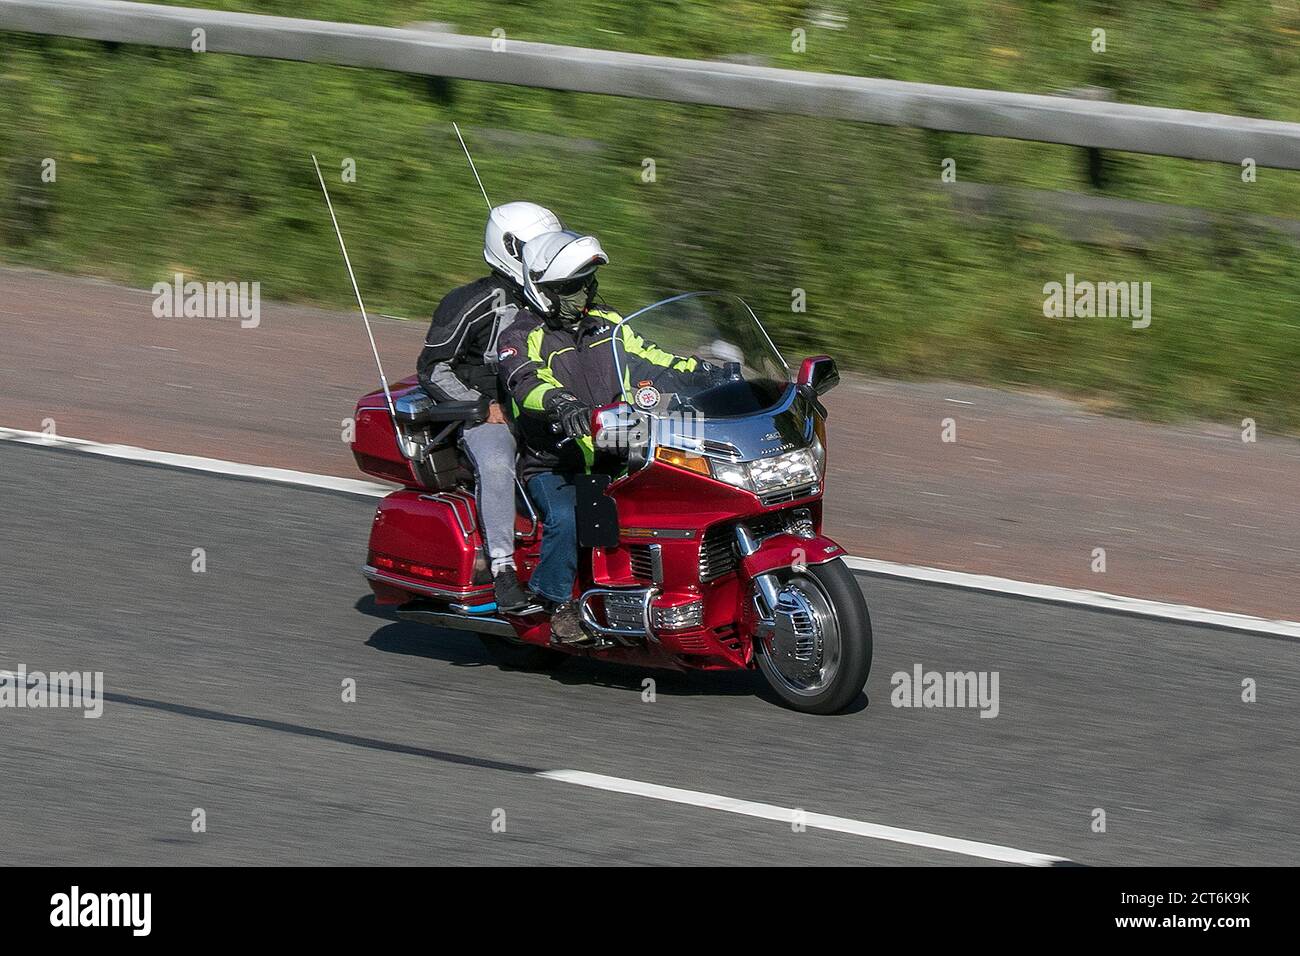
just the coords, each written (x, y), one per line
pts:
(172, 161)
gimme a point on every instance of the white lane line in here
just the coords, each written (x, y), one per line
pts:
(820, 821)
(910, 572)
(214, 466)
(1093, 599)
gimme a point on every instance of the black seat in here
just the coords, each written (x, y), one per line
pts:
(417, 408)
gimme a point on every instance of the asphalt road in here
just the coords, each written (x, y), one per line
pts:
(224, 692)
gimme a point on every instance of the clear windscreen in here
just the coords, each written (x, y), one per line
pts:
(703, 351)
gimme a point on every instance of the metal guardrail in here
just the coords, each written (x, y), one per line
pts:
(1050, 119)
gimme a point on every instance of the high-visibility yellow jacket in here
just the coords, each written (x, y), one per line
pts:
(538, 363)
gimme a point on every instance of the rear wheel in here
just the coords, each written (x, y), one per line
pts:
(521, 656)
(818, 655)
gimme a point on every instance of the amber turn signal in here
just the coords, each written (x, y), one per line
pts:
(681, 459)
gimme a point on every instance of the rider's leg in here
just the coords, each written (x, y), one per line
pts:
(491, 450)
(558, 566)
(554, 575)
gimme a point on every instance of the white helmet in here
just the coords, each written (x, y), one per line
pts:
(508, 228)
(559, 267)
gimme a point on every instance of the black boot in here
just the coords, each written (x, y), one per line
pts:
(510, 595)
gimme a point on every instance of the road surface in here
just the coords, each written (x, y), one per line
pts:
(224, 693)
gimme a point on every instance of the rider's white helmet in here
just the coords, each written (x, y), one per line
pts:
(508, 228)
(555, 260)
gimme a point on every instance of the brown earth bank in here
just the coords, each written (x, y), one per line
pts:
(1029, 488)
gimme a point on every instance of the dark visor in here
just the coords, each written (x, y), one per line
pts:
(567, 287)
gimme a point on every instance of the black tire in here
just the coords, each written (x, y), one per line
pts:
(520, 656)
(840, 588)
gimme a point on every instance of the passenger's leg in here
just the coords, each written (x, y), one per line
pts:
(491, 450)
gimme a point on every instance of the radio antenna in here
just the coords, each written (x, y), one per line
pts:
(473, 168)
(383, 380)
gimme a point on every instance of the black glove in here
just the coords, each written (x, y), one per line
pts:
(705, 374)
(573, 417)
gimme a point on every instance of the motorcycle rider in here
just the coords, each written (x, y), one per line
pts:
(557, 364)
(458, 364)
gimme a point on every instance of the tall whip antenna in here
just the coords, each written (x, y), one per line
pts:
(383, 380)
(473, 168)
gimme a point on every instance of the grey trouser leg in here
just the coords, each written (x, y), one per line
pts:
(491, 450)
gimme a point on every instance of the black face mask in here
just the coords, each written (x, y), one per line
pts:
(571, 303)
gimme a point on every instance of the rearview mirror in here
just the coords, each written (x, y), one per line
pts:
(820, 373)
(618, 428)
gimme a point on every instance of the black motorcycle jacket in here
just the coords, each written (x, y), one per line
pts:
(459, 360)
(540, 363)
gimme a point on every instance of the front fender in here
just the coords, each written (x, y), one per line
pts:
(787, 550)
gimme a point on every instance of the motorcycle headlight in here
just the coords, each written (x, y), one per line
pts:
(803, 466)
(790, 470)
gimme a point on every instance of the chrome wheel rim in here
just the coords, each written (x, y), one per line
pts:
(802, 651)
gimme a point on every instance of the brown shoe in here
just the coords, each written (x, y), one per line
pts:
(566, 626)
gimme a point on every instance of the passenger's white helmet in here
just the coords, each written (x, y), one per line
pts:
(508, 228)
(559, 264)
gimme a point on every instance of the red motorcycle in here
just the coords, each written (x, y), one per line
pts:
(701, 541)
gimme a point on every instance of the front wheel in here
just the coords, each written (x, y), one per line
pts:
(817, 655)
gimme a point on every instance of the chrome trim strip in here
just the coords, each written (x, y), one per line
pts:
(795, 493)
(768, 589)
(374, 574)
(470, 500)
(627, 537)
(657, 564)
(532, 512)
(747, 543)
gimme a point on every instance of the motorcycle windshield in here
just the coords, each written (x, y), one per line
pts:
(702, 352)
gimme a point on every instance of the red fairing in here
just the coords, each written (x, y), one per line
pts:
(786, 550)
(661, 496)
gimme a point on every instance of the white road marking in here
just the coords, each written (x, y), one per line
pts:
(214, 466)
(960, 579)
(1094, 599)
(819, 821)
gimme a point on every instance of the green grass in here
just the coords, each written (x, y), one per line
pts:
(168, 160)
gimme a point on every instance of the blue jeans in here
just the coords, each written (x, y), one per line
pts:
(557, 500)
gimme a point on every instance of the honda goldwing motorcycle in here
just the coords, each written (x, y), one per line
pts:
(702, 539)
